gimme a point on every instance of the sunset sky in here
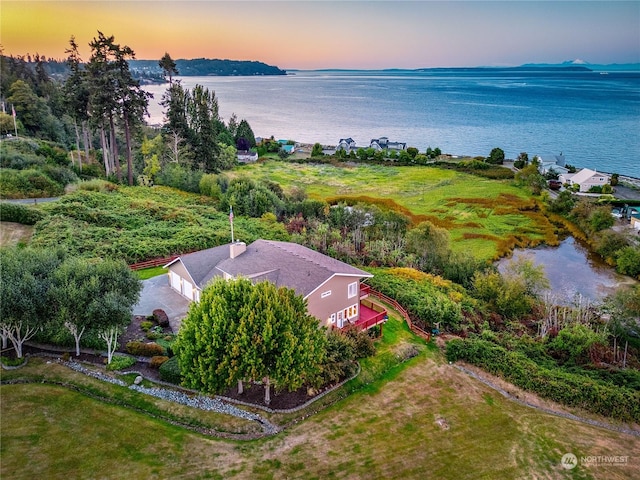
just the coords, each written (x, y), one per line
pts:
(326, 34)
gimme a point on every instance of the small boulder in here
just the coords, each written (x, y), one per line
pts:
(138, 380)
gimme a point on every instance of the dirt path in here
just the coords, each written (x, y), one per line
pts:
(533, 401)
(13, 233)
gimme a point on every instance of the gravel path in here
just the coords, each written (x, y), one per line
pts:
(201, 402)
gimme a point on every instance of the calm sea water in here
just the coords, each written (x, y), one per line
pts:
(592, 118)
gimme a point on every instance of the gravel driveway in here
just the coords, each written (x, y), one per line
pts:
(156, 293)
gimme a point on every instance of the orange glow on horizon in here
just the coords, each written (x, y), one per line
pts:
(323, 34)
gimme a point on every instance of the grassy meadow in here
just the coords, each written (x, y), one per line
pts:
(487, 217)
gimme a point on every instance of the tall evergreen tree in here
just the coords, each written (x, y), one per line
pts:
(168, 66)
(115, 95)
(76, 96)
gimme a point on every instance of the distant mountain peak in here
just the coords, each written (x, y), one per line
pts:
(577, 61)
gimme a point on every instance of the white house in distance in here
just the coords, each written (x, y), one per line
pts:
(346, 144)
(247, 156)
(331, 288)
(557, 163)
(383, 143)
(586, 179)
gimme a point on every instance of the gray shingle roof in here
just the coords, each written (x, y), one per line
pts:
(283, 263)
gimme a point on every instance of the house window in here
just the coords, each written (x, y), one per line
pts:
(351, 312)
(332, 319)
(325, 294)
(353, 289)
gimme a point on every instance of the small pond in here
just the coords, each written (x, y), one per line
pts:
(572, 271)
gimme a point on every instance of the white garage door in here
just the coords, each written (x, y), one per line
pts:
(175, 281)
(187, 289)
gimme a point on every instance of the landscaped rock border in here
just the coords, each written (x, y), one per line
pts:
(13, 367)
(199, 401)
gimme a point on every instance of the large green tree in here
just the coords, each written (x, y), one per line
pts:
(24, 287)
(244, 135)
(241, 331)
(168, 66)
(93, 295)
(208, 354)
(624, 309)
(280, 342)
(496, 156)
(430, 245)
(115, 97)
(76, 96)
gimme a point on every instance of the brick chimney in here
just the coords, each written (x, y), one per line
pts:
(236, 249)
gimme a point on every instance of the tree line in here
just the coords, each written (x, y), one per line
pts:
(98, 108)
(48, 294)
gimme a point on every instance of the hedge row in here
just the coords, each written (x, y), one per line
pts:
(14, 212)
(142, 349)
(567, 388)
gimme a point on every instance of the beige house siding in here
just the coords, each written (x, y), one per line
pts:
(323, 305)
(187, 286)
(592, 182)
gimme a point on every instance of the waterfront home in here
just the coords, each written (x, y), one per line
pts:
(332, 288)
(383, 143)
(346, 144)
(586, 179)
(556, 163)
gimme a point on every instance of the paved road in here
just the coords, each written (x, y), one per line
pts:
(156, 293)
(30, 200)
(626, 193)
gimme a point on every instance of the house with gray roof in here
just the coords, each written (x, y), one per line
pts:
(383, 143)
(346, 144)
(331, 288)
(556, 163)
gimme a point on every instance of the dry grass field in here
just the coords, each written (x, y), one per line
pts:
(422, 419)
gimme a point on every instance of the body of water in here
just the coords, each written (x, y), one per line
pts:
(592, 118)
(572, 271)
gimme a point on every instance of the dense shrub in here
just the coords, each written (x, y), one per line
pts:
(339, 361)
(363, 345)
(146, 325)
(139, 223)
(143, 349)
(628, 261)
(119, 362)
(161, 317)
(13, 212)
(158, 360)
(182, 178)
(170, 371)
(61, 175)
(97, 185)
(427, 298)
(28, 184)
(567, 388)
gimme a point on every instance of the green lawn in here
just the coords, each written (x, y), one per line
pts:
(487, 217)
(147, 273)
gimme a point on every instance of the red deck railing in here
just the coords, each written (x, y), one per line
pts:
(400, 309)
